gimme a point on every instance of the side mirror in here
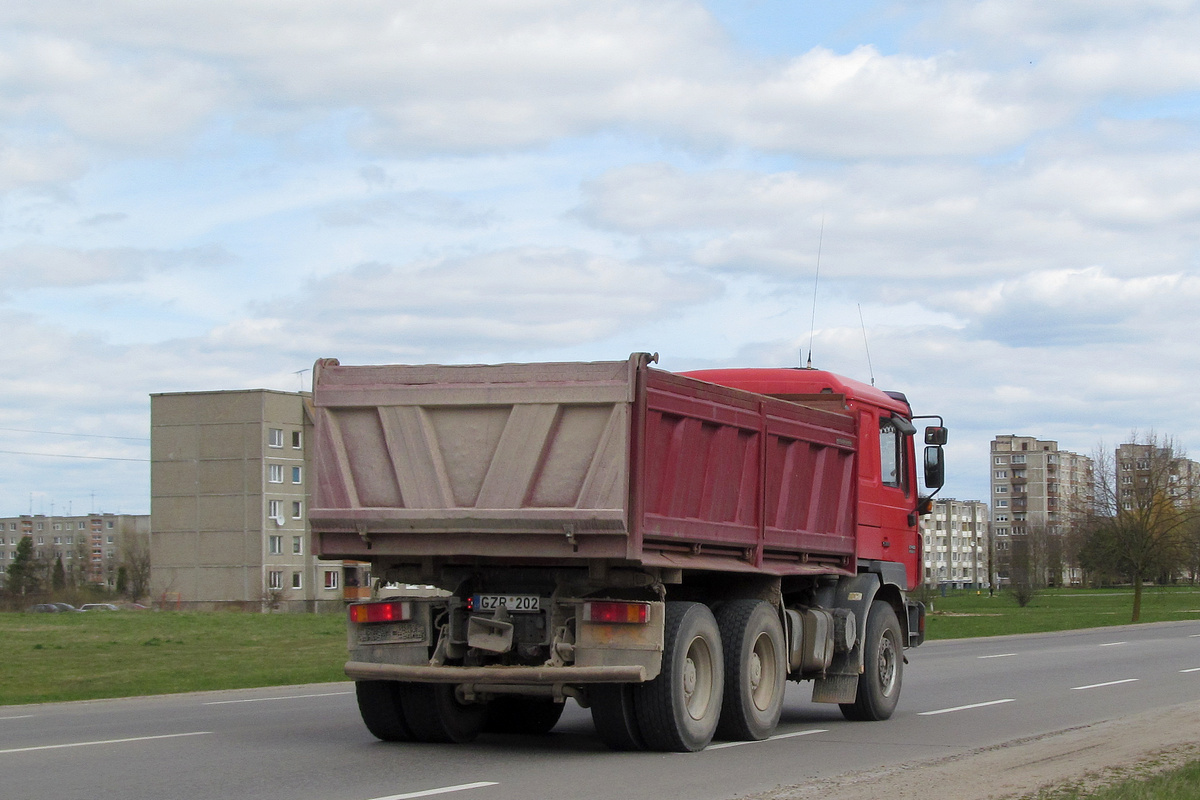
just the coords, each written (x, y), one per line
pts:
(935, 465)
(935, 435)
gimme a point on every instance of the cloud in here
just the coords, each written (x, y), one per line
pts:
(421, 206)
(518, 298)
(39, 266)
(481, 76)
(1074, 308)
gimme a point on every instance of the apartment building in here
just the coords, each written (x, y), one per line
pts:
(92, 547)
(1143, 468)
(229, 487)
(1036, 491)
(955, 539)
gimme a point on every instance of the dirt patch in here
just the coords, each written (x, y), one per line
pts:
(1086, 756)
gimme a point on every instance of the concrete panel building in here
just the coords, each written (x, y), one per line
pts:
(92, 547)
(955, 538)
(1037, 490)
(229, 490)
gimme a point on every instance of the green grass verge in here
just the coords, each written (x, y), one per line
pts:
(54, 657)
(965, 614)
(1180, 783)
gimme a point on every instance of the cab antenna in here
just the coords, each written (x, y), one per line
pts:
(816, 279)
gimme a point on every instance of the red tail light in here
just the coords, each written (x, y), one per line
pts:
(391, 611)
(608, 612)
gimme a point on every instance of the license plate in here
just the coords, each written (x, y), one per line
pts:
(509, 602)
(391, 633)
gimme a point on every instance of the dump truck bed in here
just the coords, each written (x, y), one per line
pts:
(562, 464)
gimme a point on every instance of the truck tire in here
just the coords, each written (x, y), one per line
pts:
(755, 669)
(530, 716)
(379, 706)
(615, 717)
(678, 711)
(883, 662)
(434, 714)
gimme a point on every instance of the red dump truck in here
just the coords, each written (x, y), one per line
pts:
(666, 549)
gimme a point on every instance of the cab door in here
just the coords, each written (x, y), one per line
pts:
(886, 492)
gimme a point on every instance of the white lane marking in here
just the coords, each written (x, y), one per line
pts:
(1109, 683)
(263, 699)
(999, 655)
(105, 741)
(1193, 669)
(792, 735)
(23, 716)
(965, 708)
(1113, 644)
(444, 790)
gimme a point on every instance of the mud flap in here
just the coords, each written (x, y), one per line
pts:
(835, 689)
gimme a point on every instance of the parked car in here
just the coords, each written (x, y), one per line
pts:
(65, 607)
(44, 608)
(98, 607)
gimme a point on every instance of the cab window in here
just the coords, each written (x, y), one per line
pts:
(891, 455)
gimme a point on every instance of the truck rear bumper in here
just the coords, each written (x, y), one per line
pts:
(509, 676)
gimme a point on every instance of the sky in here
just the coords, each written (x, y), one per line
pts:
(991, 206)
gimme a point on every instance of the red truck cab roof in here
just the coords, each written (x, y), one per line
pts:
(797, 381)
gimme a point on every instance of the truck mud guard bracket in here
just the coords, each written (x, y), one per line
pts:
(840, 682)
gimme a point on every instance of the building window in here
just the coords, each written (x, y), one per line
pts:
(275, 579)
(1001, 473)
(275, 437)
(297, 509)
(1001, 490)
(296, 580)
(296, 474)
(79, 526)
(1018, 459)
(297, 545)
(331, 579)
(297, 441)
(274, 473)
(275, 545)
(275, 509)
(1001, 504)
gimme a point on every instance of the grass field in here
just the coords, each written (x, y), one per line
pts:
(965, 613)
(52, 657)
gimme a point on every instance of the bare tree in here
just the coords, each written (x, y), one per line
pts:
(135, 558)
(1034, 561)
(1145, 507)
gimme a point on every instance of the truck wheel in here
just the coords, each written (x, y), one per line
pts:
(755, 670)
(531, 716)
(883, 661)
(434, 713)
(614, 716)
(678, 710)
(379, 706)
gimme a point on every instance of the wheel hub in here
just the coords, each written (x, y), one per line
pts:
(689, 677)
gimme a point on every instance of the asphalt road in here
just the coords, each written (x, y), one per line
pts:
(307, 743)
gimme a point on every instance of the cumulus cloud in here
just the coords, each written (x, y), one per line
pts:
(448, 309)
(481, 76)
